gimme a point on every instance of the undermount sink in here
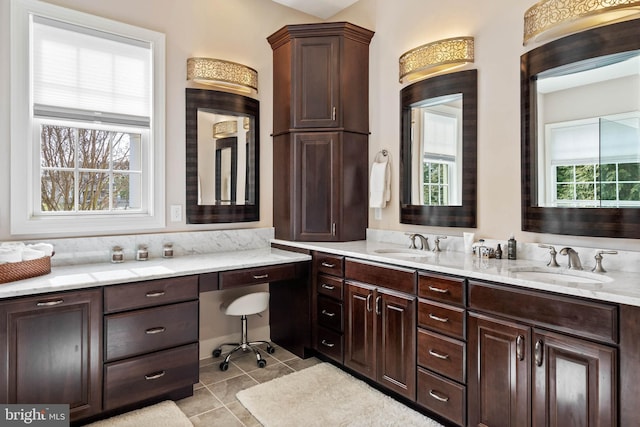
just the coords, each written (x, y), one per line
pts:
(558, 275)
(406, 253)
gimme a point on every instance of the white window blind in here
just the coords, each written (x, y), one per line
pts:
(86, 74)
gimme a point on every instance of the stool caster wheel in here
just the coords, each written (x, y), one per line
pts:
(224, 366)
(262, 363)
(217, 352)
(270, 350)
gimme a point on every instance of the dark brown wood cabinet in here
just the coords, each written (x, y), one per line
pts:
(523, 374)
(380, 326)
(320, 131)
(51, 351)
(327, 306)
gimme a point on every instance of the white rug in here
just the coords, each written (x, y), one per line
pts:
(323, 395)
(163, 414)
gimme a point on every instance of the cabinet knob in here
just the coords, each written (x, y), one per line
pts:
(539, 352)
(520, 347)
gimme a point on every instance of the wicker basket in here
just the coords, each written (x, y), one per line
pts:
(13, 271)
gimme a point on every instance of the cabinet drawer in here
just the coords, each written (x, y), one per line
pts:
(441, 288)
(330, 286)
(330, 313)
(442, 396)
(571, 315)
(329, 264)
(147, 294)
(442, 318)
(254, 276)
(143, 377)
(441, 354)
(330, 343)
(141, 331)
(386, 276)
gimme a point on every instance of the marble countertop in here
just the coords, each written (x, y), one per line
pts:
(91, 275)
(618, 287)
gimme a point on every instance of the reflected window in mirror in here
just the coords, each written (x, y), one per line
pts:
(222, 157)
(438, 151)
(581, 134)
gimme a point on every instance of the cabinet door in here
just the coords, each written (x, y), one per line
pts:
(396, 318)
(316, 82)
(317, 185)
(360, 332)
(499, 366)
(53, 353)
(575, 382)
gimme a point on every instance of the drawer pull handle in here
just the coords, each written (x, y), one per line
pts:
(369, 302)
(157, 330)
(378, 309)
(328, 287)
(327, 344)
(520, 347)
(327, 264)
(438, 396)
(438, 290)
(261, 276)
(328, 313)
(154, 294)
(49, 303)
(438, 355)
(437, 318)
(155, 375)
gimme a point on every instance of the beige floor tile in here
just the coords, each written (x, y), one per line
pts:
(283, 355)
(298, 364)
(211, 374)
(220, 417)
(248, 362)
(270, 372)
(226, 390)
(243, 415)
(201, 401)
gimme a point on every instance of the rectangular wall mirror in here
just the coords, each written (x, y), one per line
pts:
(222, 157)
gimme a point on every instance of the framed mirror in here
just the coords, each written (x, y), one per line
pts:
(580, 128)
(222, 149)
(438, 151)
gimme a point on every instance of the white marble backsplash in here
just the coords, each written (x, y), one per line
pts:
(90, 250)
(628, 261)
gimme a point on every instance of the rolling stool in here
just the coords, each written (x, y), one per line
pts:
(244, 306)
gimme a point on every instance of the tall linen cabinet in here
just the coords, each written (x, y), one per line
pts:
(320, 131)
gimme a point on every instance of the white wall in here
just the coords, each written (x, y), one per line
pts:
(237, 29)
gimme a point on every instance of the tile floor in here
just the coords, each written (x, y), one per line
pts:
(214, 400)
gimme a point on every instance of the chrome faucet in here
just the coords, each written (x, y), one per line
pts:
(424, 241)
(598, 267)
(574, 259)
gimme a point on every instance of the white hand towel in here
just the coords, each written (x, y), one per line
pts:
(29, 254)
(47, 248)
(9, 254)
(380, 182)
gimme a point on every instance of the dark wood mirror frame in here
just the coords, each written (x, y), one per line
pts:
(595, 222)
(226, 102)
(466, 83)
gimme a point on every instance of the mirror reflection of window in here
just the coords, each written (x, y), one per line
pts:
(437, 151)
(589, 133)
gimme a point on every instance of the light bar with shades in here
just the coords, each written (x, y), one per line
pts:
(225, 129)
(223, 74)
(549, 19)
(436, 57)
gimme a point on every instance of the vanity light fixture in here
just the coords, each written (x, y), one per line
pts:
(549, 19)
(436, 57)
(225, 129)
(223, 74)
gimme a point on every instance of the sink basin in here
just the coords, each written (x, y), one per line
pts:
(405, 253)
(558, 275)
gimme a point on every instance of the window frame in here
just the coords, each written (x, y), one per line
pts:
(25, 154)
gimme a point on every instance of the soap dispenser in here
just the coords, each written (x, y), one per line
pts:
(511, 248)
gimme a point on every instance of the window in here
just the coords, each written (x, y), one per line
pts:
(594, 162)
(87, 123)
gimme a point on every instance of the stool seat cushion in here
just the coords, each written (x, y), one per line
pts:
(246, 305)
